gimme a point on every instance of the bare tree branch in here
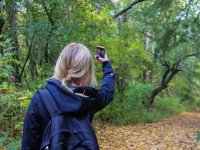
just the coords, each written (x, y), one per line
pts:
(127, 8)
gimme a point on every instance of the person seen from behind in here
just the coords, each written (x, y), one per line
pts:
(72, 90)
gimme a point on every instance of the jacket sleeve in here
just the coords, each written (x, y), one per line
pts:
(105, 93)
(31, 137)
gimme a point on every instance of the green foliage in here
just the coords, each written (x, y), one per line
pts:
(138, 92)
(115, 108)
(130, 108)
(34, 85)
(126, 107)
(9, 143)
(6, 59)
(44, 28)
(126, 111)
(13, 104)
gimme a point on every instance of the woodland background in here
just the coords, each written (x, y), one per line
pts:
(153, 45)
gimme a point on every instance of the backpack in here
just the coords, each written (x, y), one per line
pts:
(66, 131)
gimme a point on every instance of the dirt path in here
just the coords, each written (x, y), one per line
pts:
(175, 133)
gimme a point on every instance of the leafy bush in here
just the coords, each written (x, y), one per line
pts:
(6, 142)
(125, 107)
(6, 59)
(13, 104)
(129, 107)
(113, 113)
(138, 92)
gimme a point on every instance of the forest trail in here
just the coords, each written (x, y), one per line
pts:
(175, 133)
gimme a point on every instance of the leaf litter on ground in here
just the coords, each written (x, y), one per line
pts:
(179, 132)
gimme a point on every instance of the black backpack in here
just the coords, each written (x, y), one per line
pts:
(66, 131)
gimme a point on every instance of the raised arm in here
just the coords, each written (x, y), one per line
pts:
(105, 93)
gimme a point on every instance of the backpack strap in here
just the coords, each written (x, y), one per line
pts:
(49, 102)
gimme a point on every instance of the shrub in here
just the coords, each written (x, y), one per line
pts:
(129, 108)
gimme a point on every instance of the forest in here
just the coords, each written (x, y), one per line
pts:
(153, 45)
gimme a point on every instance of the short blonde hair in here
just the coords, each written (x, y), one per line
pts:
(75, 63)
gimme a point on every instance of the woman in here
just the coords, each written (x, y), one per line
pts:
(74, 70)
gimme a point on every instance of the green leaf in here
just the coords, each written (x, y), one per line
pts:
(4, 74)
(15, 61)
(18, 125)
(25, 102)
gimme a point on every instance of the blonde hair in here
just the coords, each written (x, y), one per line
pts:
(75, 63)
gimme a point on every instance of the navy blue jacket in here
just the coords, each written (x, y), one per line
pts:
(37, 116)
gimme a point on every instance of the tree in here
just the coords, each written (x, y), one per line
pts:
(1, 28)
(49, 12)
(11, 15)
(41, 29)
(169, 74)
(172, 31)
(177, 43)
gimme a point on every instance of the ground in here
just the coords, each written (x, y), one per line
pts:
(176, 133)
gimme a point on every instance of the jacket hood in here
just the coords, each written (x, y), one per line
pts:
(72, 102)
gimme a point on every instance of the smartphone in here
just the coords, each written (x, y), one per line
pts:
(100, 52)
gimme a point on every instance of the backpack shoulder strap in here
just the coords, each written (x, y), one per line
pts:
(49, 102)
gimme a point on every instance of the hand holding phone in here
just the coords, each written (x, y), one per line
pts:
(100, 53)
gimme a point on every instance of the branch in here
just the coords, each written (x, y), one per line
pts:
(28, 55)
(127, 8)
(186, 56)
(49, 13)
(173, 73)
(165, 76)
(164, 63)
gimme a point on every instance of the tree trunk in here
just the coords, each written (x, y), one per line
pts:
(1, 28)
(170, 72)
(32, 65)
(27, 58)
(1, 24)
(10, 7)
(30, 46)
(147, 40)
(153, 95)
(121, 75)
(46, 55)
(168, 75)
(51, 28)
(147, 74)
(155, 55)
